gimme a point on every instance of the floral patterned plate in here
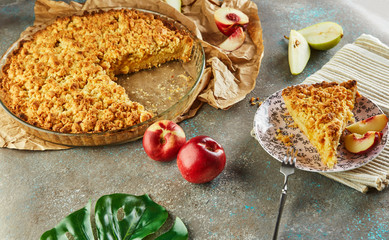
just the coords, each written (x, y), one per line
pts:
(272, 115)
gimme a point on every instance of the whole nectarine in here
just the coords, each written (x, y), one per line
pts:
(201, 159)
(163, 139)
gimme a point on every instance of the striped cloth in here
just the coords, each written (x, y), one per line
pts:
(366, 61)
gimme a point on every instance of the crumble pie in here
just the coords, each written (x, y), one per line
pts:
(322, 111)
(63, 79)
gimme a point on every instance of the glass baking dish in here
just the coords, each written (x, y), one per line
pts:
(168, 91)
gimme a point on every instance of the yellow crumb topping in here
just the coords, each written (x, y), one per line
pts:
(63, 79)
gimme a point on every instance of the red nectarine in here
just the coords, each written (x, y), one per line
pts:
(201, 159)
(163, 139)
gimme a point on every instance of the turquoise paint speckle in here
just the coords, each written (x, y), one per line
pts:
(249, 207)
(267, 164)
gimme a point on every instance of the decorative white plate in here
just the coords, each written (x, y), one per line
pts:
(271, 116)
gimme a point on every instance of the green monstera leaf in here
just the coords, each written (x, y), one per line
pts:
(77, 225)
(121, 216)
(177, 232)
(118, 216)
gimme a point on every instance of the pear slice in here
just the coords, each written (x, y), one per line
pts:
(174, 3)
(323, 36)
(298, 52)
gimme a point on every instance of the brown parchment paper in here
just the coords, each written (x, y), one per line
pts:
(228, 76)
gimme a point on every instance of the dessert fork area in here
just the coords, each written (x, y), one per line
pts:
(40, 188)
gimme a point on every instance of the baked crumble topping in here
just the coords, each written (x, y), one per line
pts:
(322, 111)
(63, 79)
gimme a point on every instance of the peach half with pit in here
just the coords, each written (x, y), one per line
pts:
(362, 143)
(228, 20)
(375, 123)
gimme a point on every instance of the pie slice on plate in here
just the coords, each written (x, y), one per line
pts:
(322, 111)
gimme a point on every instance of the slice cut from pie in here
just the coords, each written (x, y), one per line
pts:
(322, 111)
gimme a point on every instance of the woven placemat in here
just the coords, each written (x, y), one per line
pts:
(366, 61)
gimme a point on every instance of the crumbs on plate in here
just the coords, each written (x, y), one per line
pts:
(283, 138)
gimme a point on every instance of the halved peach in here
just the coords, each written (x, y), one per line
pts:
(229, 19)
(234, 41)
(360, 144)
(376, 123)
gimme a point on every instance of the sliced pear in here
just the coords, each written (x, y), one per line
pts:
(323, 36)
(298, 52)
(174, 3)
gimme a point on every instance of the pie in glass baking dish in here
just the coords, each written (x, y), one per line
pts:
(63, 79)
